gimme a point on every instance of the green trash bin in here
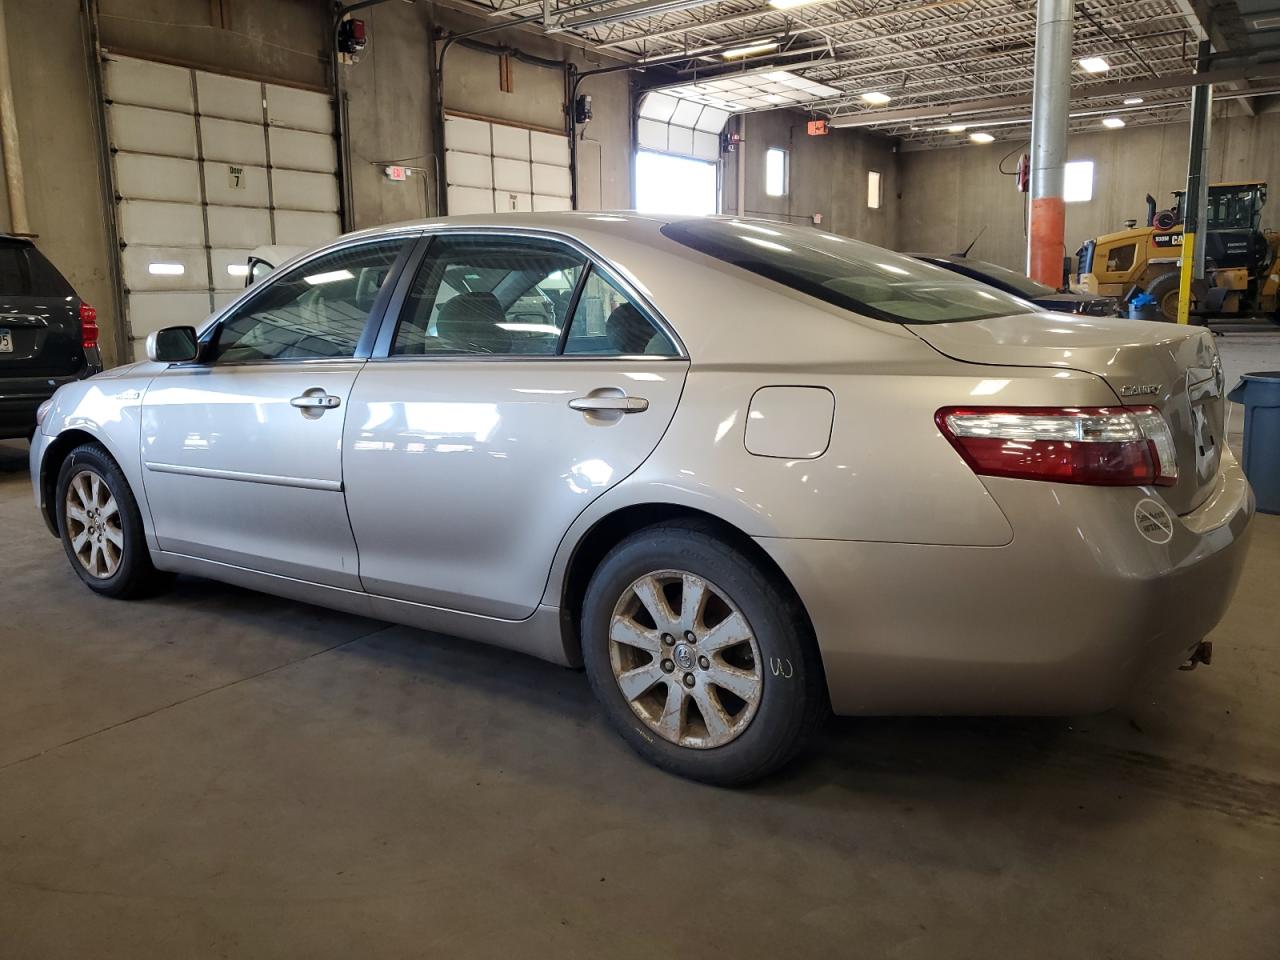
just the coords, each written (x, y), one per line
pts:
(1260, 394)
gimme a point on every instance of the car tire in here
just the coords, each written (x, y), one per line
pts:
(753, 734)
(101, 527)
(1164, 289)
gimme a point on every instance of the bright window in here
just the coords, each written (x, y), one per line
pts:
(775, 172)
(873, 189)
(670, 184)
(1077, 185)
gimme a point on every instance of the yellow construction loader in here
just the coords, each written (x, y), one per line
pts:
(1242, 273)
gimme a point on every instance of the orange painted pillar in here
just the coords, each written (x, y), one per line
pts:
(1046, 244)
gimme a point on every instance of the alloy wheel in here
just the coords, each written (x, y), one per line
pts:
(685, 658)
(93, 524)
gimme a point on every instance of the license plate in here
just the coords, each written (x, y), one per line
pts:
(6, 341)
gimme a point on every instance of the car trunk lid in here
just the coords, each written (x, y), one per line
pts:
(1174, 368)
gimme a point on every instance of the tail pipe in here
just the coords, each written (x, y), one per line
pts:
(1203, 653)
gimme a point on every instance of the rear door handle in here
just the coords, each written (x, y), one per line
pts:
(606, 404)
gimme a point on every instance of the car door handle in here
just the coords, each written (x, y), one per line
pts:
(599, 404)
(316, 401)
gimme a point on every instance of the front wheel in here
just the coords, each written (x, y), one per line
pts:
(100, 526)
(701, 661)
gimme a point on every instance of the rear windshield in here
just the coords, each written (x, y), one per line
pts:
(24, 272)
(857, 276)
(1010, 278)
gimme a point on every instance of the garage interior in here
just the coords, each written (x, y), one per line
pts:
(217, 772)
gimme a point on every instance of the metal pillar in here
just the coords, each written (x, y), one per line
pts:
(1050, 99)
(1197, 198)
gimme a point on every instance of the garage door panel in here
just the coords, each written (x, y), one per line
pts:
(164, 268)
(549, 148)
(505, 201)
(467, 135)
(144, 130)
(167, 224)
(236, 185)
(148, 84)
(223, 297)
(706, 146)
(200, 161)
(651, 135)
(551, 181)
(299, 109)
(152, 310)
(543, 204)
(232, 141)
(513, 175)
(470, 200)
(510, 142)
(229, 98)
(468, 169)
(141, 176)
(303, 150)
(239, 227)
(296, 190)
(680, 140)
(230, 267)
(303, 228)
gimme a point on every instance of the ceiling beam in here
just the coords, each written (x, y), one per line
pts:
(1127, 88)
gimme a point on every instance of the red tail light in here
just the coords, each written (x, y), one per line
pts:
(88, 326)
(1105, 446)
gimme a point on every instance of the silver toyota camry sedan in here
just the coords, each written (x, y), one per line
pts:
(744, 473)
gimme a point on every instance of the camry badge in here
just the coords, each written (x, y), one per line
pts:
(1139, 389)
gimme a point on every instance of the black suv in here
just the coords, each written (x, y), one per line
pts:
(48, 335)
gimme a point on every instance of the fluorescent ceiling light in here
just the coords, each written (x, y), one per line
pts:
(1132, 101)
(318, 278)
(1114, 123)
(238, 269)
(957, 128)
(981, 137)
(750, 48)
(876, 98)
(1094, 65)
(789, 4)
(166, 269)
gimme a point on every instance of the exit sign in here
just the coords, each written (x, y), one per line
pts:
(397, 173)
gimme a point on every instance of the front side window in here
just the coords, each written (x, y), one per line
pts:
(606, 322)
(318, 310)
(489, 295)
(850, 274)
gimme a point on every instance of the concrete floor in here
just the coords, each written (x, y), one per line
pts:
(215, 773)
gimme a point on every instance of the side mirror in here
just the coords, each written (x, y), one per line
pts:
(172, 345)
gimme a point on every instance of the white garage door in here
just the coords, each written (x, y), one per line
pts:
(493, 167)
(206, 168)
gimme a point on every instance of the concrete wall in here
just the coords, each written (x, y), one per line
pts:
(949, 195)
(828, 175)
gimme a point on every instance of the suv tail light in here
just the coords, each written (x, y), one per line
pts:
(88, 326)
(1106, 446)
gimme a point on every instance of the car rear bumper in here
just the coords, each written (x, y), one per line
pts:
(21, 396)
(1074, 612)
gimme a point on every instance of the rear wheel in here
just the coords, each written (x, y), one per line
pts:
(100, 526)
(700, 661)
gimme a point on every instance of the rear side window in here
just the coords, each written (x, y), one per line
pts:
(855, 276)
(24, 272)
(489, 295)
